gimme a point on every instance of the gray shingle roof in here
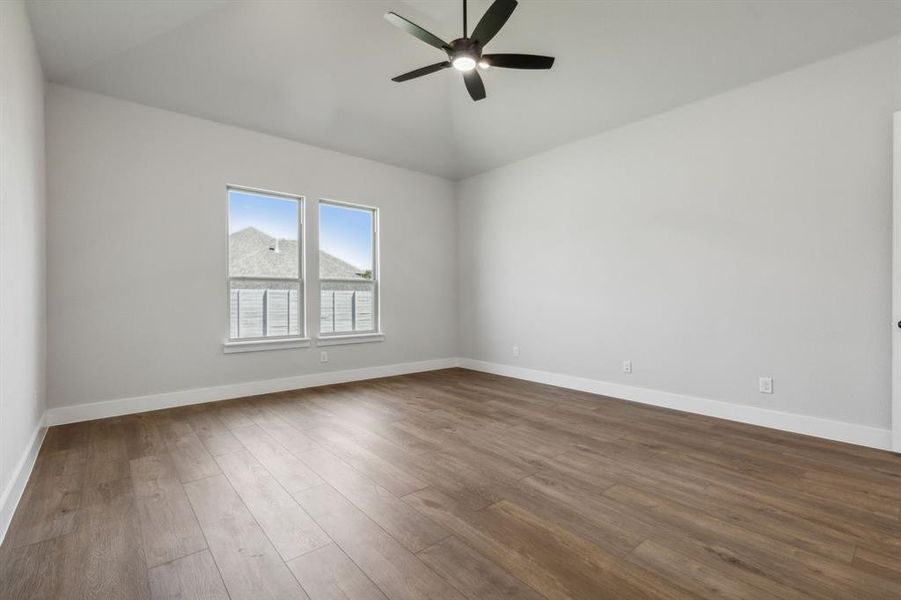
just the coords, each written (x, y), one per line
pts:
(252, 253)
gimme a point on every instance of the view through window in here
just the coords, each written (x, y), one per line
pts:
(264, 265)
(347, 269)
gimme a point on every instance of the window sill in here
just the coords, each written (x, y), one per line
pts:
(260, 345)
(356, 338)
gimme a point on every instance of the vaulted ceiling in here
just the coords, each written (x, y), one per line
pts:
(319, 71)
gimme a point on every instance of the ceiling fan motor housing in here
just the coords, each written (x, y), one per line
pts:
(464, 48)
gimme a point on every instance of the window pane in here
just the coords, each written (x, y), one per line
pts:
(262, 235)
(346, 269)
(346, 307)
(345, 242)
(264, 308)
(264, 266)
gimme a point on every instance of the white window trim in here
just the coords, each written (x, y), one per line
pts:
(232, 345)
(356, 337)
(258, 345)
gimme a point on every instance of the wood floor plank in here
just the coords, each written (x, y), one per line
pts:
(553, 561)
(473, 574)
(189, 455)
(50, 502)
(169, 527)
(731, 562)
(107, 452)
(396, 570)
(829, 517)
(762, 519)
(379, 437)
(142, 436)
(380, 470)
(292, 439)
(579, 511)
(214, 435)
(396, 517)
(289, 470)
(692, 575)
(328, 574)
(301, 412)
(622, 468)
(101, 559)
(248, 562)
(881, 561)
(232, 413)
(32, 571)
(66, 437)
(875, 496)
(466, 483)
(459, 441)
(288, 527)
(783, 562)
(193, 577)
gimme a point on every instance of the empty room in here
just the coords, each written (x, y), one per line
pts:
(450, 300)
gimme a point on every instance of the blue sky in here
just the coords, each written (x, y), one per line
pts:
(347, 234)
(343, 232)
(272, 215)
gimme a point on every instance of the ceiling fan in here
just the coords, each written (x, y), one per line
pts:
(465, 53)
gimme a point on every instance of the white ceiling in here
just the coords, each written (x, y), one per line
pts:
(319, 71)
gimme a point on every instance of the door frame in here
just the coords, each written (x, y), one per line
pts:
(896, 283)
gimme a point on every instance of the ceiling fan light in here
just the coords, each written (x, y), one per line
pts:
(484, 64)
(464, 63)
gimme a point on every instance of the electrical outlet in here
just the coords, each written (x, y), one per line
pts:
(515, 351)
(323, 357)
(627, 366)
(766, 385)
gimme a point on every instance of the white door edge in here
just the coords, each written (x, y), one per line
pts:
(896, 284)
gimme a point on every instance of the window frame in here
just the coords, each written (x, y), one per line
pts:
(247, 344)
(338, 337)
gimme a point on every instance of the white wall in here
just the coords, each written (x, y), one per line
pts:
(22, 264)
(137, 250)
(745, 235)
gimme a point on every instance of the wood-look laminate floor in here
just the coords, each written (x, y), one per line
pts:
(449, 485)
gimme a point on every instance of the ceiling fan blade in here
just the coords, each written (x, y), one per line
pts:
(474, 84)
(414, 29)
(492, 21)
(519, 61)
(421, 72)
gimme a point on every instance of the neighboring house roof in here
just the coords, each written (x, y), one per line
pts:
(332, 267)
(252, 253)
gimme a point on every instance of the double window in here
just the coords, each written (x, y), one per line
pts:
(266, 269)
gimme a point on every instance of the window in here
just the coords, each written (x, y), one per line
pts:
(348, 269)
(265, 265)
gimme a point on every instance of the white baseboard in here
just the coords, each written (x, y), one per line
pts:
(137, 404)
(12, 493)
(851, 433)
(861, 435)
